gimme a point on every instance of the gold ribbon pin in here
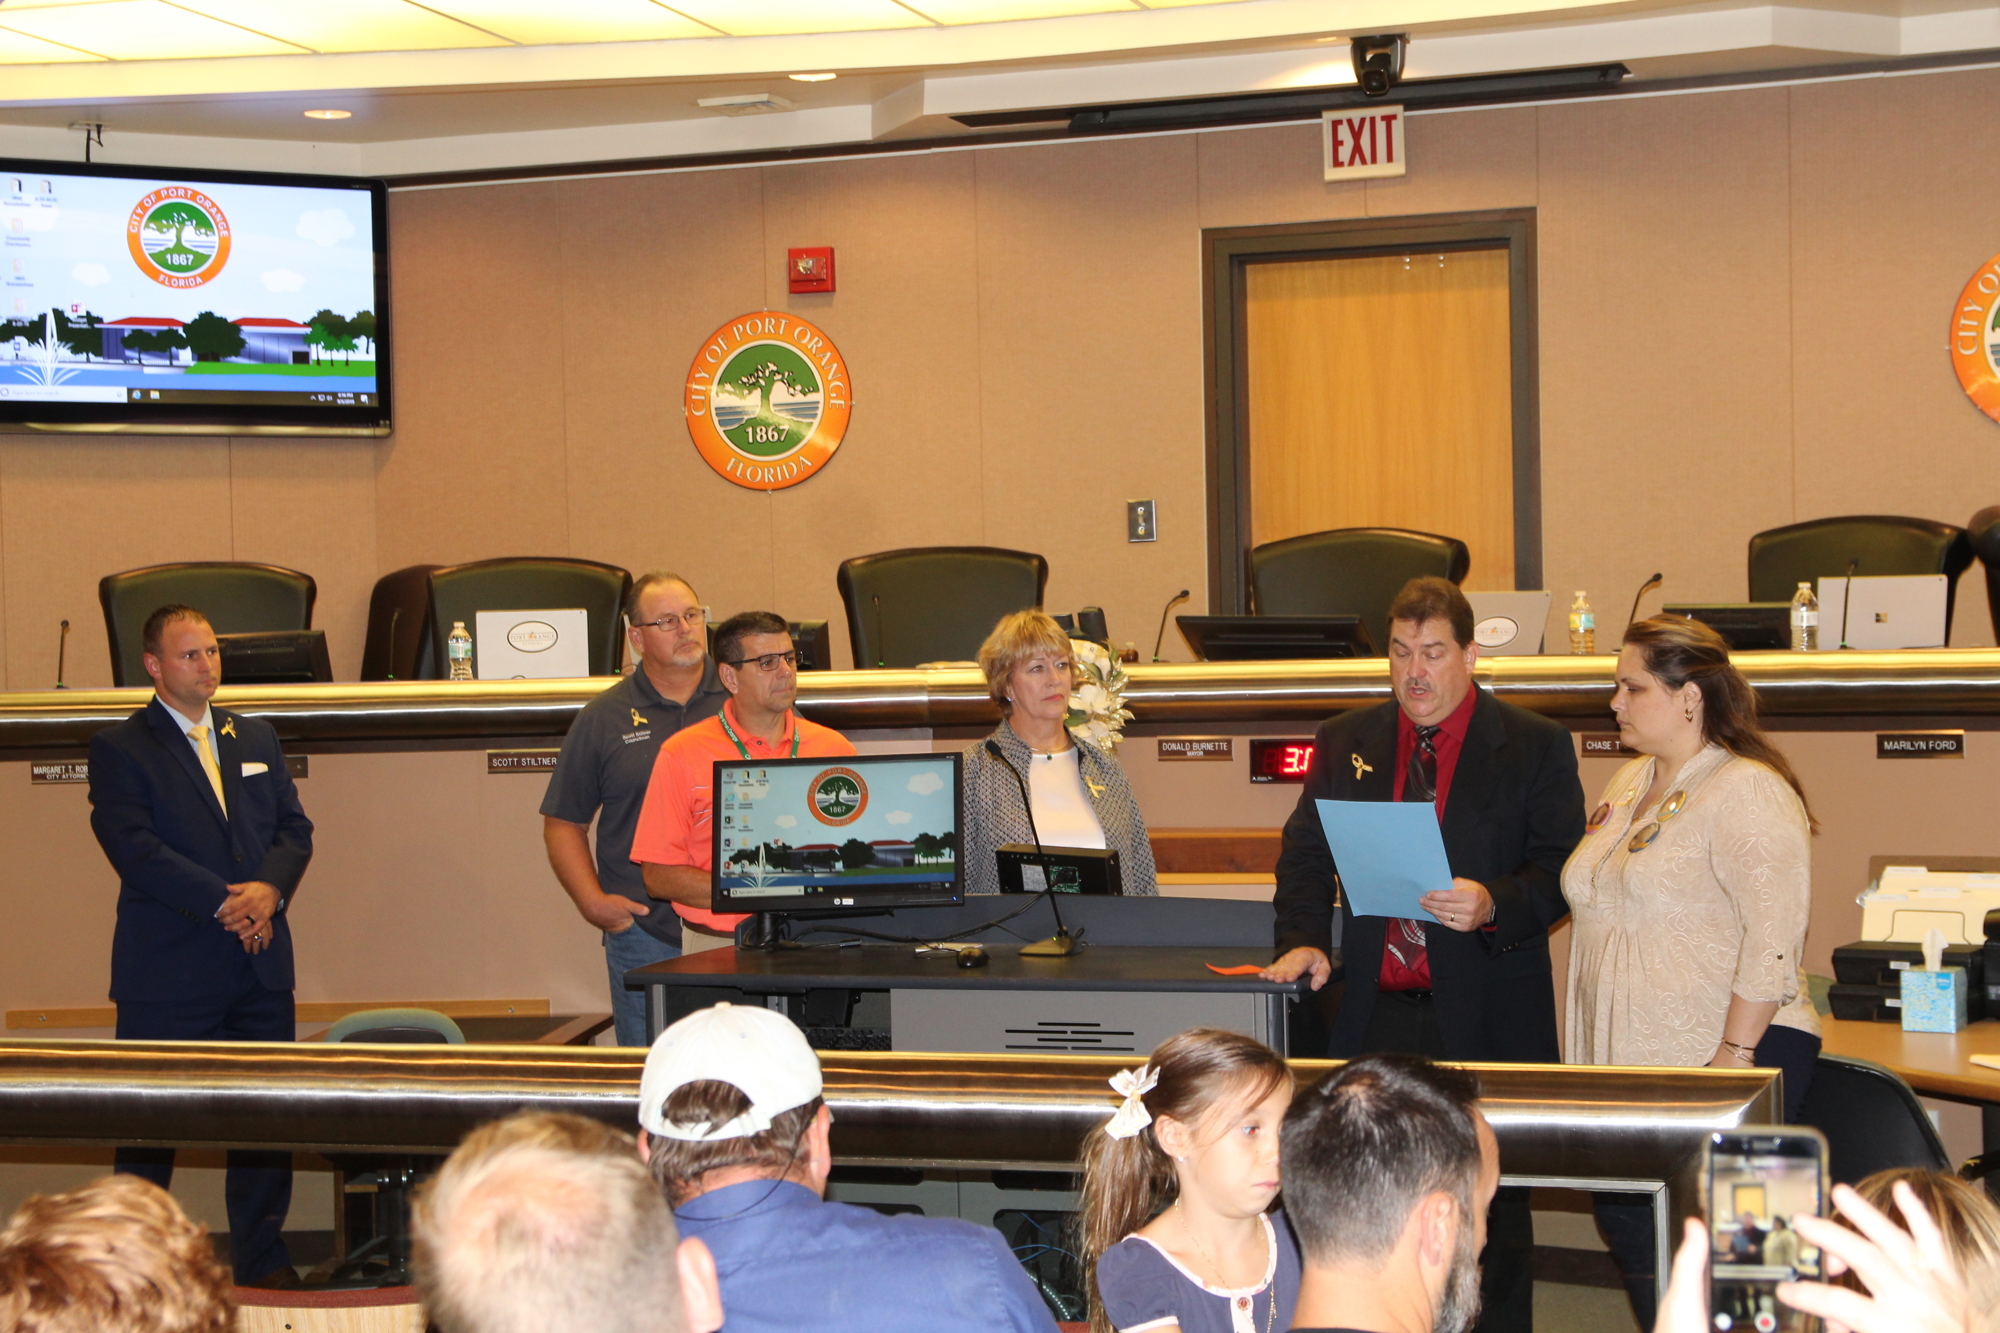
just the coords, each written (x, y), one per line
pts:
(229, 728)
(637, 720)
(1361, 766)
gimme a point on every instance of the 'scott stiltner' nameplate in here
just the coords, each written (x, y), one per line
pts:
(67, 771)
(1198, 747)
(1919, 745)
(521, 761)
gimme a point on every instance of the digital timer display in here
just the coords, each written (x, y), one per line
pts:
(1274, 760)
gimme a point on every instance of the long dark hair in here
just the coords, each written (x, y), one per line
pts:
(1678, 650)
(1128, 1182)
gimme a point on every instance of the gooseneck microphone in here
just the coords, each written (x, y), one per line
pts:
(1644, 588)
(62, 647)
(880, 648)
(1061, 944)
(1172, 602)
(1846, 598)
(395, 614)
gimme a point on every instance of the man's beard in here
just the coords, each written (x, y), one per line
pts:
(1460, 1307)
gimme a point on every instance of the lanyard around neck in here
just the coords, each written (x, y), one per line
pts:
(743, 749)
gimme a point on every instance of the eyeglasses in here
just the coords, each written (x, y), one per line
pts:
(769, 661)
(692, 618)
(1645, 837)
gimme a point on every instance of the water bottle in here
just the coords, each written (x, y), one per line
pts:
(1805, 620)
(459, 649)
(1582, 626)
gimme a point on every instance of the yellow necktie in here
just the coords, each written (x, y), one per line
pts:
(208, 764)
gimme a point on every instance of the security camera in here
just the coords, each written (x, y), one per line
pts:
(1378, 61)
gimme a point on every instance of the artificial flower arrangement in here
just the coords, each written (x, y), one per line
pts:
(1097, 711)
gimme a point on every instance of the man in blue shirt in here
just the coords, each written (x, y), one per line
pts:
(737, 1133)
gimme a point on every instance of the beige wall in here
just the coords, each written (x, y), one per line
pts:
(1743, 301)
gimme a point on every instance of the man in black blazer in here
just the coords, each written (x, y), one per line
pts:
(1472, 980)
(199, 816)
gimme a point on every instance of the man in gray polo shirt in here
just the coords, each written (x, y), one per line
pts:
(602, 772)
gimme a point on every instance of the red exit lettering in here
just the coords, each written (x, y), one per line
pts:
(1366, 141)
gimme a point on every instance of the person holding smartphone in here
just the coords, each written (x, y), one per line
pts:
(1689, 894)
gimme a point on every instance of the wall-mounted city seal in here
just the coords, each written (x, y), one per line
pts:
(1975, 338)
(767, 400)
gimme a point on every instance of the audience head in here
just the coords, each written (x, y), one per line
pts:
(181, 655)
(1026, 659)
(743, 643)
(1179, 1137)
(1674, 675)
(732, 1093)
(545, 1223)
(1967, 1218)
(1389, 1169)
(665, 620)
(117, 1256)
(1430, 648)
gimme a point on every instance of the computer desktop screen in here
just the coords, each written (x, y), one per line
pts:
(858, 832)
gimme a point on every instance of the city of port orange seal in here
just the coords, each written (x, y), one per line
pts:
(767, 400)
(1975, 338)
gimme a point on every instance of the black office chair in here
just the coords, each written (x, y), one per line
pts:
(1871, 1118)
(934, 603)
(1982, 533)
(1349, 572)
(546, 583)
(398, 642)
(379, 1188)
(1880, 544)
(237, 597)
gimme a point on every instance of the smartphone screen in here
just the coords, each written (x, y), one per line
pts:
(1758, 1182)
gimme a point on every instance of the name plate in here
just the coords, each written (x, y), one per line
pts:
(1920, 745)
(77, 771)
(1198, 747)
(521, 761)
(1606, 745)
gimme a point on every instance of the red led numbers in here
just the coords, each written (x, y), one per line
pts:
(1280, 760)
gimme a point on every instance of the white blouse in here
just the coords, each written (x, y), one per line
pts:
(1062, 807)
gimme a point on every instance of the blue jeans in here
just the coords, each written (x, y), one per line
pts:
(623, 952)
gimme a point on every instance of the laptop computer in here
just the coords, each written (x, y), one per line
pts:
(1744, 626)
(1509, 624)
(1886, 611)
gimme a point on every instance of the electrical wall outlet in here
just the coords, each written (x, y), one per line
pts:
(1139, 522)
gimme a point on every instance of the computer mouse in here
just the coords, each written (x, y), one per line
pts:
(973, 957)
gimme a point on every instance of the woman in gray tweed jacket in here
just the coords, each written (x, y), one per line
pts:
(1080, 793)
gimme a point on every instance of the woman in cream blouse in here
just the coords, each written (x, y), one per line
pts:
(1688, 896)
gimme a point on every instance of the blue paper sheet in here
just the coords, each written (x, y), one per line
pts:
(1390, 853)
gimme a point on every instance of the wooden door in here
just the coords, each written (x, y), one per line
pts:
(1378, 392)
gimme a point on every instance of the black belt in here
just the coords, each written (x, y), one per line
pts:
(1414, 996)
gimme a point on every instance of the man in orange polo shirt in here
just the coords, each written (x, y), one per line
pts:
(757, 664)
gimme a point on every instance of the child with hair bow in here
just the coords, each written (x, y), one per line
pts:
(1179, 1235)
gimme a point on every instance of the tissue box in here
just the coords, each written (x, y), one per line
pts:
(1934, 1001)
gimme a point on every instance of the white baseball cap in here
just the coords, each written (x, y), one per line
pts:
(753, 1049)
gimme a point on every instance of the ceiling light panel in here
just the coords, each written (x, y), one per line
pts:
(17, 49)
(999, 11)
(350, 25)
(759, 18)
(539, 23)
(140, 30)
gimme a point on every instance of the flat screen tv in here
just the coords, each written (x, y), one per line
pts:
(148, 300)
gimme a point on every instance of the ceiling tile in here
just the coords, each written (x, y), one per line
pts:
(350, 25)
(539, 23)
(755, 18)
(139, 30)
(16, 49)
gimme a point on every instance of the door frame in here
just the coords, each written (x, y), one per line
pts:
(1227, 253)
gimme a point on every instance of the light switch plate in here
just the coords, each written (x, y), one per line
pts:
(1140, 525)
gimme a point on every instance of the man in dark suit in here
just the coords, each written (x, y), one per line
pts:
(198, 814)
(1472, 980)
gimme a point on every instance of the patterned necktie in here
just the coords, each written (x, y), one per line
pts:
(1406, 939)
(208, 764)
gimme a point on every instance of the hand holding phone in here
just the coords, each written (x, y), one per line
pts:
(1758, 1180)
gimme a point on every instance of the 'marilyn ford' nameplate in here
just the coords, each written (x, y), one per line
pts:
(1919, 745)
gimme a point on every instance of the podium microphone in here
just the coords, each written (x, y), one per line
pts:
(1061, 944)
(1846, 598)
(1645, 587)
(62, 647)
(1161, 637)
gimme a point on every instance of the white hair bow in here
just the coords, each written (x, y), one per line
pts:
(1132, 1085)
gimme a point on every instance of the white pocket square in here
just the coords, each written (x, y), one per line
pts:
(252, 770)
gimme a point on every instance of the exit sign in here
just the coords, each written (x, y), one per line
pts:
(1363, 143)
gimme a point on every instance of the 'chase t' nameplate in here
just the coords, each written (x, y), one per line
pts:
(1606, 743)
(1919, 745)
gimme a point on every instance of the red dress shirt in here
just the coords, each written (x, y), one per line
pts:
(1413, 970)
